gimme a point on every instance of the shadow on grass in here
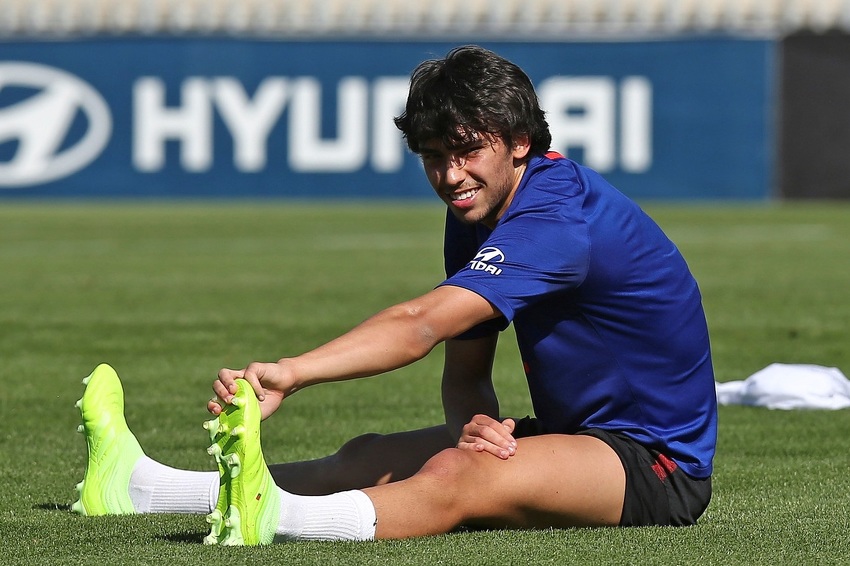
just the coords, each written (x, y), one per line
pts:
(52, 506)
(184, 537)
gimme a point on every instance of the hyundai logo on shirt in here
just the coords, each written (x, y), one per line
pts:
(485, 258)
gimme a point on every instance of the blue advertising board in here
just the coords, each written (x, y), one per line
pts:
(246, 118)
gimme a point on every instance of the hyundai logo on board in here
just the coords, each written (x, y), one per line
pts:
(54, 124)
(38, 125)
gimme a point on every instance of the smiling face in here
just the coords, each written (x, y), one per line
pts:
(478, 179)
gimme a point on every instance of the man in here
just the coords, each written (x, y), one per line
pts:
(610, 328)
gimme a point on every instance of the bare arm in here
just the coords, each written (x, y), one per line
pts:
(467, 382)
(469, 399)
(395, 337)
(391, 339)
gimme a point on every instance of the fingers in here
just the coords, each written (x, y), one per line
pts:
(254, 374)
(225, 387)
(485, 434)
(214, 406)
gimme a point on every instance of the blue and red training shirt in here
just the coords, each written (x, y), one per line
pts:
(608, 317)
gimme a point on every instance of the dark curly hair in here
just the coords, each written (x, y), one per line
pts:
(472, 91)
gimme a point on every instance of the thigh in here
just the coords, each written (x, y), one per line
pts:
(364, 461)
(553, 480)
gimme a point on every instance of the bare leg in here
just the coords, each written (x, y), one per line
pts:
(551, 481)
(364, 461)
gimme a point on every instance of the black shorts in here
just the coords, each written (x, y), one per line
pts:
(658, 492)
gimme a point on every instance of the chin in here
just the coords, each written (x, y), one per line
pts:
(467, 217)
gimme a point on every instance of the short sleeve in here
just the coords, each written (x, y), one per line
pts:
(532, 253)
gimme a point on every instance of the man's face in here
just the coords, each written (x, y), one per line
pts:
(478, 179)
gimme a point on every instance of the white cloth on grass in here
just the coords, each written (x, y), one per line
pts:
(789, 386)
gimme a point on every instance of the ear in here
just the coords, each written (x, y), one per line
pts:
(522, 145)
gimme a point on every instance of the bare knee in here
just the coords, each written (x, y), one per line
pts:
(447, 463)
(346, 469)
(352, 466)
(383, 458)
(355, 449)
(364, 461)
(375, 459)
(451, 471)
(449, 478)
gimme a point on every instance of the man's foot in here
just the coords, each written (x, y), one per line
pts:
(248, 505)
(112, 449)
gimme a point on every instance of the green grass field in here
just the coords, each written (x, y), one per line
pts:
(169, 293)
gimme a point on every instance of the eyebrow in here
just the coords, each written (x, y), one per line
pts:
(471, 144)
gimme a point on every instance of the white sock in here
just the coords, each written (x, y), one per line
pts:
(157, 488)
(348, 515)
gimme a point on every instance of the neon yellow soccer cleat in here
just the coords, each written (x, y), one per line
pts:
(248, 500)
(112, 449)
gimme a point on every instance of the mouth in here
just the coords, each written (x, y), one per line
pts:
(463, 196)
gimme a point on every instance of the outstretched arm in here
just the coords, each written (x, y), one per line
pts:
(391, 339)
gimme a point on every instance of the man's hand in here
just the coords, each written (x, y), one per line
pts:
(485, 434)
(271, 383)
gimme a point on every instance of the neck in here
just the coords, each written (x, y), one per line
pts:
(519, 171)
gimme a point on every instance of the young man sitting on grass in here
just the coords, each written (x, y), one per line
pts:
(610, 327)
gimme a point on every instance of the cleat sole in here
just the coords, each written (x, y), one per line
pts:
(248, 506)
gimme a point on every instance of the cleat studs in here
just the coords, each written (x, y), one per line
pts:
(79, 403)
(77, 507)
(214, 519)
(233, 464)
(211, 427)
(228, 523)
(79, 486)
(238, 402)
(86, 380)
(238, 431)
(81, 429)
(214, 450)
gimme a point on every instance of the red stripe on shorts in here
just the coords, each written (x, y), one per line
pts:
(663, 467)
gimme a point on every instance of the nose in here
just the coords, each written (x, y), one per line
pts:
(455, 172)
